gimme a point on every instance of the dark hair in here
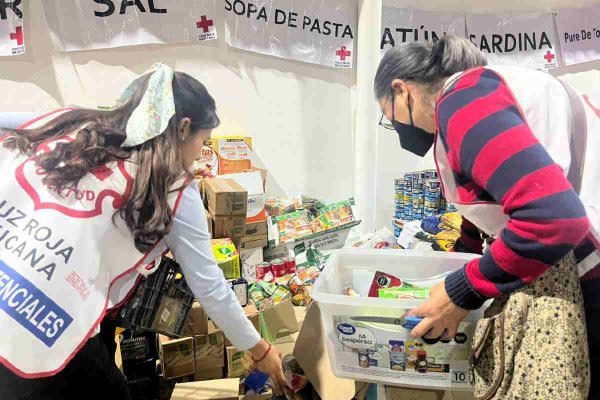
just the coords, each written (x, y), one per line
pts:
(160, 164)
(426, 63)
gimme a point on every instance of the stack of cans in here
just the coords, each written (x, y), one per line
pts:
(432, 193)
(418, 195)
(399, 198)
(407, 197)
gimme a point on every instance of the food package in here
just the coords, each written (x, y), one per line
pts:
(309, 273)
(276, 206)
(292, 226)
(281, 294)
(233, 153)
(207, 165)
(334, 215)
(294, 375)
(381, 281)
(240, 288)
(257, 382)
(404, 293)
(284, 280)
(302, 297)
(227, 257)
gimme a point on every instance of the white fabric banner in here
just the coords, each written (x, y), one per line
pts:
(315, 31)
(12, 40)
(98, 24)
(399, 25)
(527, 39)
(579, 34)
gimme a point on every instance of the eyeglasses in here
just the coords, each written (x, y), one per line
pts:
(385, 123)
(383, 120)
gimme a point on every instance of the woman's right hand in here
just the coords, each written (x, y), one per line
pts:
(270, 365)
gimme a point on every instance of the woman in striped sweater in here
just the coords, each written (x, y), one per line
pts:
(502, 140)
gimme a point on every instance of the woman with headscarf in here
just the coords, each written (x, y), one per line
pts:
(90, 201)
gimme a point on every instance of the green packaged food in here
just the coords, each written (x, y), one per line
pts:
(403, 293)
(267, 287)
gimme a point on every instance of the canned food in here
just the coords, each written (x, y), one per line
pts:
(363, 359)
(262, 270)
(278, 267)
(290, 265)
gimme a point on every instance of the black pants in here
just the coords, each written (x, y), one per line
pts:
(591, 297)
(91, 374)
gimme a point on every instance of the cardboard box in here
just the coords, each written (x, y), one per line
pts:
(254, 242)
(239, 363)
(252, 182)
(209, 374)
(257, 228)
(221, 389)
(177, 357)
(233, 152)
(209, 222)
(196, 322)
(263, 172)
(209, 351)
(229, 226)
(225, 197)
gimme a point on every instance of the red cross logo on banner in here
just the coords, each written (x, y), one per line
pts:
(204, 23)
(342, 53)
(549, 56)
(17, 35)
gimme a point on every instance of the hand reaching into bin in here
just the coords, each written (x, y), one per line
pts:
(440, 315)
(267, 359)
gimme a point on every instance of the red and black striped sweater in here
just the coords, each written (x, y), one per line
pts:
(495, 157)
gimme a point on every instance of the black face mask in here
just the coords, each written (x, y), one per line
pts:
(416, 140)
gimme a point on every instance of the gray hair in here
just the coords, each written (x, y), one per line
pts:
(425, 63)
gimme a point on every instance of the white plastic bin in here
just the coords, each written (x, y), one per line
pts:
(372, 352)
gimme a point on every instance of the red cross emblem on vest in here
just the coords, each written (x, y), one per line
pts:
(17, 35)
(549, 56)
(204, 23)
(342, 53)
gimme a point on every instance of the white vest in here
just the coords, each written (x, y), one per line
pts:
(63, 263)
(565, 125)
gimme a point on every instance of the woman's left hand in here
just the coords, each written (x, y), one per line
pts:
(439, 314)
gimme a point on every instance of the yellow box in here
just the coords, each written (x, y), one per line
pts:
(227, 257)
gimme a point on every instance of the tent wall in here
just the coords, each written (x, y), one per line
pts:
(300, 115)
